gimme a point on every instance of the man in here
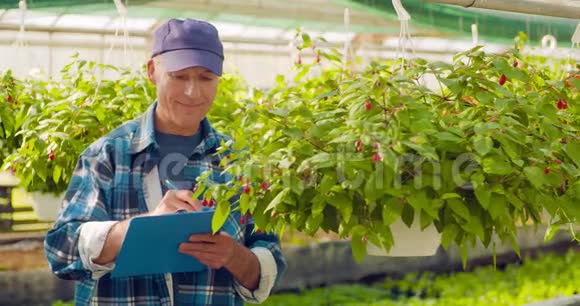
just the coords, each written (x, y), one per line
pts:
(120, 176)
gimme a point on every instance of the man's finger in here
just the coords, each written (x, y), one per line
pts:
(198, 247)
(208, 238)
(187, 197)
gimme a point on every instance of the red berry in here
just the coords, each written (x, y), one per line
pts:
(258, 231)
(557, 161)
(376, 158)
(211, 203)
(379, 84)
(51, 156)
(239, 178)
(562, 104)
(547, 171)
(9, 98)
(368, 105)
(204, 202)
(502, 79)
(265, 185)
(242, 220)
(515, 63)
(376, 145)
(247, 189)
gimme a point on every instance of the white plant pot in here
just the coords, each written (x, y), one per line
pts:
(409, 242)
(46, 205)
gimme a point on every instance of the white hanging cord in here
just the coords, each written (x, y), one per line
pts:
(347, 52)
(576, 37)
(122, 10)
(404, 34)
(575, 45)
(20, 42)
(474, 34)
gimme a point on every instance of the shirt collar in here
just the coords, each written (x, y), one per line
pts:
(144, 136)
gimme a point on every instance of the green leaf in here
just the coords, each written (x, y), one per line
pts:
(318, 204)
(278, 199)
(392, 211)
(313, 223)
(359, 247)
(244, 202)
(573, 151)
(482, 145)
(327, 182)
(372, 193)
(449, 233)
(535, 176)
(458, 207)
(293, 132)
(483, 195)
(346, 210)
(407, 215)
(56, 173)
(497, 164)
(497, 207)
(222, 212)
(514, 200)
(306, 41)
(305, 69)
(297, 185)
(550, 232)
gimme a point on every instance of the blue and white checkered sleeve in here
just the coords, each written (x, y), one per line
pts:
(266, 247)
(85, 200)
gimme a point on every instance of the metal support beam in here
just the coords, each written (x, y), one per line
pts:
(520, 6)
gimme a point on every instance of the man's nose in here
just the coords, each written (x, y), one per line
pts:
(192, 89)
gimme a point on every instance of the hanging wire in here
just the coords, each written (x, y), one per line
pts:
(404, 34)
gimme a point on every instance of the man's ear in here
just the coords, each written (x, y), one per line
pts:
(151, 71)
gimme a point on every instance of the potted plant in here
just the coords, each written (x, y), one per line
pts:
(69, 113)
(495, 144)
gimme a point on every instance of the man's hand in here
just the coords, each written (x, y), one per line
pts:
(175, 200)
(214, 251)
(222, 251)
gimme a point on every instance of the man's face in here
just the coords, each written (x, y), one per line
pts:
(184, 96)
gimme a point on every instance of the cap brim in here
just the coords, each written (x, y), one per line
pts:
(186, 58)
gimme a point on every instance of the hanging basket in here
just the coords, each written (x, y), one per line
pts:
(46, 205)
(409, 241)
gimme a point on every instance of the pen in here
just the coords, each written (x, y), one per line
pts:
(172, 186)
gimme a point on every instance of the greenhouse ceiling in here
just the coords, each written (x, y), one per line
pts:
(275, 21)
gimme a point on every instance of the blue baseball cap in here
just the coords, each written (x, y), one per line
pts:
(188, 43)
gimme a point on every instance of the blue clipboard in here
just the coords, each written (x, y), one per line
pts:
(151, 242)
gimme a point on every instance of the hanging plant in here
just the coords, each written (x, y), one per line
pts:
(487, 146)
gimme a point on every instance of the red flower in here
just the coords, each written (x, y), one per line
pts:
(265, 185)
(51, 156)
(376, 158)
(547, 171)
(368, 105)
(502, 79)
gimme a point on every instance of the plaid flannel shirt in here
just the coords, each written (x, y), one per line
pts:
(108, 184)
